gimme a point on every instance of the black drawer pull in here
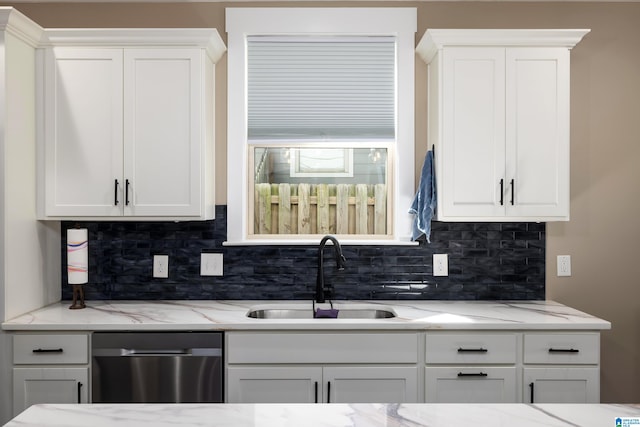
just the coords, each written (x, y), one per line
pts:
(474, 374)
(48, 350)
(472, 350)
(79, 392)
(563, 350)
(502, 192)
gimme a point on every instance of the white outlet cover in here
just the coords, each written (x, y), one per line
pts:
(440, 265)
(161, 266)
(211, 264)
(564, 265)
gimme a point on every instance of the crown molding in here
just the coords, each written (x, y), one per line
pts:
(436, 39)
(207, 38)
(18, 25)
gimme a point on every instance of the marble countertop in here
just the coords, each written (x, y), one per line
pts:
(231, 315)
(330, 415)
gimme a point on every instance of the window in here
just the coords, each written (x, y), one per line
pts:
(320, 162)
(320, 127)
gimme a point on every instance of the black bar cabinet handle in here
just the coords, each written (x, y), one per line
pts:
(531, 388)
(79, 392)
(472, 374)
(315, 391)
(47, 350)
(328, 391)
(472, 350)
(502, 192)
(126, 192)
(115, 193)
(563, 350)
(512, 191)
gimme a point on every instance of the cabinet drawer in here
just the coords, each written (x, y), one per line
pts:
(470, 348)
(569, 348)
(470, 384)
(321, 347)
(50, 348)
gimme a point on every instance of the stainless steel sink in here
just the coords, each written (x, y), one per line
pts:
(344, 312)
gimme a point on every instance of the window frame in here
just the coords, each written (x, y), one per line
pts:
(243, 22)
(345, 171)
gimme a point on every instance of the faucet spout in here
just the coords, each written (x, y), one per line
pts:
(321, 290)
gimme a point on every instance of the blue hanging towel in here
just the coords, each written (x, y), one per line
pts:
(424, 203)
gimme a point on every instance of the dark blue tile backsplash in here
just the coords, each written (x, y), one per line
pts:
(487, 261)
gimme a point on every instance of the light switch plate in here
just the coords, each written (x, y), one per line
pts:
(440, 265)
(211, 264)
(161, 266)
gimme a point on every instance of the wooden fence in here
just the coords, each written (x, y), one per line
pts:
(320, 209)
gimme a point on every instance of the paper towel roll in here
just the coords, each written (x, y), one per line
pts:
(77, 256)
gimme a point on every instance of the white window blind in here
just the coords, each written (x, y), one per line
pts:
(327, 88)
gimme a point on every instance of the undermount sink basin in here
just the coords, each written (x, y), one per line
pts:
(344, 312)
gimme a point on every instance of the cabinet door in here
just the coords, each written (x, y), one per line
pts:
(373, 384)
(537, 131)
(473, 150)
(470, 385)
(49, 385)
(162, 131)
(561, 385)
(83, 132)
(274, 384)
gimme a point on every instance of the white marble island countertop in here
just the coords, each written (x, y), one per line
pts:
(232, 315)
(330, 415)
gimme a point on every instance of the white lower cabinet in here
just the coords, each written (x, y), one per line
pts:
(470, 367)
(322, 367)
(50, 368)
(274, 384)
(561, 367)
(561, 385)
(49, 385)
(368, 384)
(468, 384)
(506, 367)
(450, 367)
(316, 384)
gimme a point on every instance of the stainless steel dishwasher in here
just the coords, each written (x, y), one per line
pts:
(157, 367)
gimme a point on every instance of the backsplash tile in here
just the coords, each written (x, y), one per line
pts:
(487, 261)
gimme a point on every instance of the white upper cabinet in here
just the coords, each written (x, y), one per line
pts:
(498, 118)
(127, 123)
(162, 132)
(83, 132)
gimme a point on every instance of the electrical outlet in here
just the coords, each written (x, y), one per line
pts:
(440, 265)
(564, 265)
(161, 266)
(210, 264)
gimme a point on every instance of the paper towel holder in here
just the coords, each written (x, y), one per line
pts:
(78, 298)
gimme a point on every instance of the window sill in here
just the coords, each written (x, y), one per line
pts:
(307, 242)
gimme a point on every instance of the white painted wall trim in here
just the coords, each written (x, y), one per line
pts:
(241, 22)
